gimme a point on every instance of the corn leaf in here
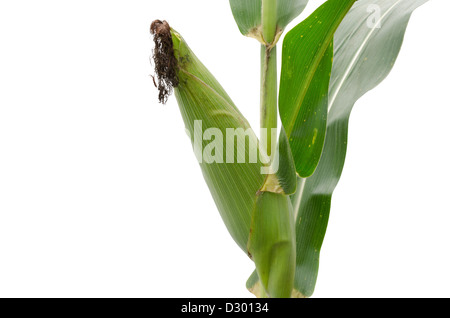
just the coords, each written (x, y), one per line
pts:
(305, 74)
(247, 14)
(364, 56)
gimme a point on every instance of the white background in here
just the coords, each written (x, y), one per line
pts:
(100, 193)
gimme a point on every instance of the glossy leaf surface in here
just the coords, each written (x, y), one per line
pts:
(365, 53)
(305, 75)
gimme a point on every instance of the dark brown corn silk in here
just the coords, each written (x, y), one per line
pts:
(164, 59)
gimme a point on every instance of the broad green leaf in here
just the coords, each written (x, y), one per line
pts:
(305, 75)
(247, 14)
(233, 185)
(364, 56)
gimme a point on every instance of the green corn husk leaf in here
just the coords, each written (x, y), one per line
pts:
(260, 222)
(233, 185)
(272, 244)
(247, 14)
(233, 174)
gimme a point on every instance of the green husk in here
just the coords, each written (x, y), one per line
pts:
(260, 221)
(232, 185)
(272, 244)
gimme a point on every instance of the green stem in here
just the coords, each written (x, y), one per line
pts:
(269, 80)
(269, 20)
(269, 96)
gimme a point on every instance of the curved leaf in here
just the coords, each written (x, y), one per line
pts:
(305, 74)
(247, 14)
(364, 56)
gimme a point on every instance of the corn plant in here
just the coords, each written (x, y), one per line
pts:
(274, 192)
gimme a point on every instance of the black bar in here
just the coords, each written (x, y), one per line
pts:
(216, 307)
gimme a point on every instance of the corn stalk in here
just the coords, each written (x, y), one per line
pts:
(274, 194)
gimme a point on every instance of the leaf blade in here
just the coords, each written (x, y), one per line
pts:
(247, 14)
(305, 74)
(355, 72)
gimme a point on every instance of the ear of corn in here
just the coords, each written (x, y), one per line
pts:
(277, 218)
(260, 221)
(233, 185)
